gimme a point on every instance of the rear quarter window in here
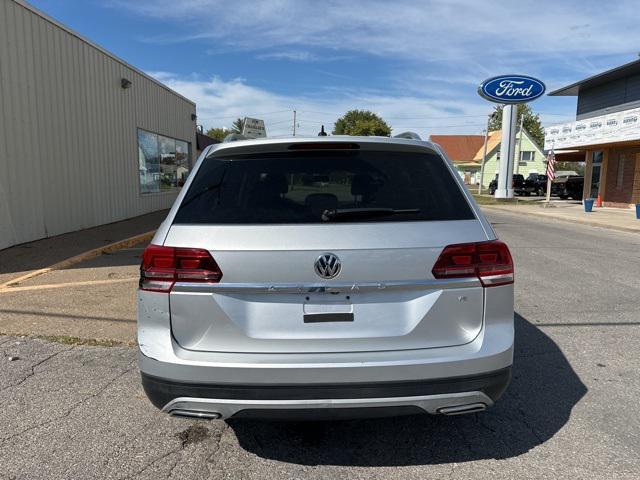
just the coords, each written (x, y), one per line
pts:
(323, 187)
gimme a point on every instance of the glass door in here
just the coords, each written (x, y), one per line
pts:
(595, 173)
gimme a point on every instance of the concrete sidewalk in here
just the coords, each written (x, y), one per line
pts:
(21, 259)
(613, 218)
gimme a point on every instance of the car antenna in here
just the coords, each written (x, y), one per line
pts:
(322, 133)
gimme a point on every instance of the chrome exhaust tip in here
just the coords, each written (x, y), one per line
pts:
(195, 414)
(462, 409)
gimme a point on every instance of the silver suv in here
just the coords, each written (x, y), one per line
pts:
(325, 277)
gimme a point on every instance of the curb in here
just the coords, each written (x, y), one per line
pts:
(89, 254)
(567, 220)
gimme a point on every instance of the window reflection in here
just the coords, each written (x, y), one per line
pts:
(149, 162)
(182, 162)
(167, 162)
(163, 162)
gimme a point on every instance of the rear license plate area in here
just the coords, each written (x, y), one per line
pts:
(327, 317)
(328, 311)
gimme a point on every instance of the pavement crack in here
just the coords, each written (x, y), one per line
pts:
(33, 369)
(74, 407)
(192, 435)
(212, 461)
(156, 461)
(525, 422)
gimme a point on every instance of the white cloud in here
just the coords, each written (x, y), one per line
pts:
(432, 54)
(447, 31)
(220, 102)
(299, 56)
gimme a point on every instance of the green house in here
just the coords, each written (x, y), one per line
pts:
(531, 157)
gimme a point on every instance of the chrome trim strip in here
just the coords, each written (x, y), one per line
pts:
(226, 408)
(333, 287)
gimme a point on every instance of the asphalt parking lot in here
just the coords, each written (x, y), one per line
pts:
(77, 411)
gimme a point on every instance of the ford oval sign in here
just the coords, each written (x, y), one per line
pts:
(511, 89)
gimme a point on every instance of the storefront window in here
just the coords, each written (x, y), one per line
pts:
(595, 174)
(163, 162)
(149, 162)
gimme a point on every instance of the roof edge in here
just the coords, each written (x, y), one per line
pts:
(567, 90)
(53, 21)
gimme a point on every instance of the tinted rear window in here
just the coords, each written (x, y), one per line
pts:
(319, 187)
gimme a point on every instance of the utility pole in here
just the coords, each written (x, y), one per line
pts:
(294, 123)
(484, 155)
(520, 144)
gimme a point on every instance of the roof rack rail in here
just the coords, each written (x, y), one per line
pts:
(408, 136)
(234, 137)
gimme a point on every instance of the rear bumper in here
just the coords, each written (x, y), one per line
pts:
(230, 383)
(447, 396)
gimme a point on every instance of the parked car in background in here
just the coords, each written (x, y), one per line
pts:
(520, 187)
(568, 187)
(538, 183)
(325, 277)
(566, 173)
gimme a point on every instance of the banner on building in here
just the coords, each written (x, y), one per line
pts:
(614, 127)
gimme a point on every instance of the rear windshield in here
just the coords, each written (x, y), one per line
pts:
(321, 187)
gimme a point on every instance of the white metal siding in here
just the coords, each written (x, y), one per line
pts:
(68, 131)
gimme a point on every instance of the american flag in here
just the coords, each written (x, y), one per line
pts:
(551, 165)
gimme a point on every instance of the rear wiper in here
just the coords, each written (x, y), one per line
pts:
(358, 213)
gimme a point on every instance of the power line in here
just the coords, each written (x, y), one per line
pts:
(264, 114)
(422, 117)
(280, 121)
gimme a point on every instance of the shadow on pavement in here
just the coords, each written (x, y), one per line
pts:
(537, 404)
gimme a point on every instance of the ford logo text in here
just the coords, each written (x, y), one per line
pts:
(511, 89)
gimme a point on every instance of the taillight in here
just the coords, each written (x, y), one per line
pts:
(489, 261)
(162, 267)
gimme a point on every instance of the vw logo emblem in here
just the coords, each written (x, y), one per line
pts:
(327, 265)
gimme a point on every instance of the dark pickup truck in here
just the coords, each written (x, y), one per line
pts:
(520, 185)
(538, 183)
(568, 187)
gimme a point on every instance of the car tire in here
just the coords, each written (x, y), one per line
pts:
(540, 192)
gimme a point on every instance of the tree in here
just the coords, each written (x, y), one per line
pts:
(237, 125)
(361, 122)
(218, 133)
(531, 123)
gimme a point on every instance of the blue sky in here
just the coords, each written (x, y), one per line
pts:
(416, 63)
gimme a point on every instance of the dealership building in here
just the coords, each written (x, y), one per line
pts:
(85, 138)
(605, 134)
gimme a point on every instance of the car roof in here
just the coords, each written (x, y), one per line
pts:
(280, 143)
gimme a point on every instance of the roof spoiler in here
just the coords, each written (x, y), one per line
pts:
(408, 136)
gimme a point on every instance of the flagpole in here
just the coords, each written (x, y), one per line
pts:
(548, 190)
(551, 160)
